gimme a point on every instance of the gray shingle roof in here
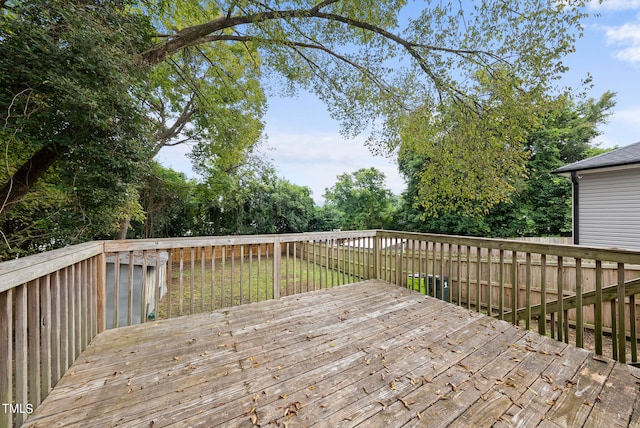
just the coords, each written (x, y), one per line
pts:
(626, 155)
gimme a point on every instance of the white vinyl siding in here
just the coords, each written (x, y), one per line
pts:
(609, 209)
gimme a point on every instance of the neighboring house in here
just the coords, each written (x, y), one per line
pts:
(606, 198)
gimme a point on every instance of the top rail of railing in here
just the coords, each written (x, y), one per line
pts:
(172, 243)
(619, 255)
(23, 270)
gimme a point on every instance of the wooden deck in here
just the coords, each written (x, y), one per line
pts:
(368, 354)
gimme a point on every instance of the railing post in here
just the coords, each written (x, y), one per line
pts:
(101, 293)
(277, 261)
(377, 248)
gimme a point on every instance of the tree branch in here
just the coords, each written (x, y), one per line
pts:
(164, 135)
(244, 39)
(30, 172)
(204, 33)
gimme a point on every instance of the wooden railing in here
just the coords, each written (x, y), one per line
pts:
(51, 307)
(494, 276)
(197, 274)
(53, 304)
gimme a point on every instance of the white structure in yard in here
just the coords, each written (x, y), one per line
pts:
(606, 198)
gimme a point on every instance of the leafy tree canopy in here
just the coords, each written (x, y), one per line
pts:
(81, 80)
(540, 202)
(362, 198)
(252, 199)
(66, 73)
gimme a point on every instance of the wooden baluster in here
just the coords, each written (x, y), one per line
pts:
(478, 279)
(203, 274)
(597, 307)
(450, 274)
(468, 277)
(622, 334)
(192, 281)
(130, 289)
(21, 377)
(223, 280)
(55, 328)
(277, 254)
(632, 326)
(527, 320)
(560, 289)
(614, 330)
(116, 291)
(144, 290)
(250, 273)
(295, 271)
(213, 278)
(156, 282)
(459, 275)
(33, 315)
(45, 336)
(514, 287)
(542, 321)
(579, 311)
(6, 355)
(101, 294)
(501, 287)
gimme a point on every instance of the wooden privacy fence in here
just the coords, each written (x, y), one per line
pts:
(53, 304)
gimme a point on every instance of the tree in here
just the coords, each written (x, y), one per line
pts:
(326, 218)
(540, 202)
(66, 74)
(474, 151)
(542, 206)
(362, 199)
(169, 204)
(338, 49)
(205, 102)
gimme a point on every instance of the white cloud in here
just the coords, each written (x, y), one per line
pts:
(315, 159)
(626, 39)
(631, 55)
(623, 34)
(629, 116)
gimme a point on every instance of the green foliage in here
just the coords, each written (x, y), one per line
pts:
(66, 71)
(540, 204)
(347, 52)
(68, 74)
(362, 199)
(169, 203)
(251, 199)
(208, 95)
(473, 152)
(77, 95)
(326, 218)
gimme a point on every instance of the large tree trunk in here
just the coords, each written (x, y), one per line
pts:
(26, 176)
(124, 227)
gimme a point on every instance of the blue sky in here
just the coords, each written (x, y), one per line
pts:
(307, 149)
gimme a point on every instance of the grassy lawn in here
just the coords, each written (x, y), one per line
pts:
(204, 288)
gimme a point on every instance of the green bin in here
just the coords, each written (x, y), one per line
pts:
(416, 283)
(442, 290)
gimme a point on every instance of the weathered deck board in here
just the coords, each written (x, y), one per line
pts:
(368, 354)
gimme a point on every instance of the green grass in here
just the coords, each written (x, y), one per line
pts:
(233, 283)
